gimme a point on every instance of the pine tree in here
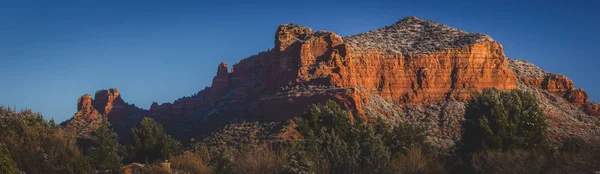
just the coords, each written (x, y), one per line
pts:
(104, 154)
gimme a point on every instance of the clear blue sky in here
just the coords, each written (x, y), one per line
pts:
(52, 53)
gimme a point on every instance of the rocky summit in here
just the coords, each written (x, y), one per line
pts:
(412, 35)
(414, 71)
(107, 104)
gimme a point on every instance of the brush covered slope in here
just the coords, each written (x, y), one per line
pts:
(414, 71)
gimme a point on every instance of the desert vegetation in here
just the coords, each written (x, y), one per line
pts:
(504, 132)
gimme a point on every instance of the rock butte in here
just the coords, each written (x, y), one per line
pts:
(107, 103)
(410, 64)
(306, 58)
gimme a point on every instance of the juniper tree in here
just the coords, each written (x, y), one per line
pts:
(497, 120)
(104, 154)
(150, 142)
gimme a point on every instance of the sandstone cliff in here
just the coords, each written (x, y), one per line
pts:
(107, 104)
(412, 62)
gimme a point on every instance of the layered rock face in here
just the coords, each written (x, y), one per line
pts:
(106, 105)
(431, 63)
(558, 84)
(568, 109)
(85, 109)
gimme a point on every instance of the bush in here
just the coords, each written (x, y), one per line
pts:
(579, 156)
(583, 158)
(42, 146)
(202, 151)
(222, 161)
(505, 121)
(104, 153)
(518, 161)
(150, 143)
(415, 160)
(190, 162)
(339, 145)
(260, 160)
(406, 136)
(7, 165)
(330, 115)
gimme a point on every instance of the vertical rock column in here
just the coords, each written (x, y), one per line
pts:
(220, 83)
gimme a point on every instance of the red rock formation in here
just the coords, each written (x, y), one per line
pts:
(592, 109)
(220, 84)
(107, 100)
(85, 109)
(322, 58)
(305, 58)
(557, 84)
(121, 115)
(402, 68)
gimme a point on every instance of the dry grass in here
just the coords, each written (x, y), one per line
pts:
(260, 160)
(582, 159)
(190, 162)
(154, 168)
(510, 162)
(416, 161)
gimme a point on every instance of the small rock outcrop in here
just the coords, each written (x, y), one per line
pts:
(85, 108)
(558, 84)
(592, 109)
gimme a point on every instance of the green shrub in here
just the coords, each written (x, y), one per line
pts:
(505, 121)
(40, 146)
(222, 161)
(339, 145)
(7, 165)
(406, 136)
(104, 153)
(150, 143)
(202, 151)
(330, 115)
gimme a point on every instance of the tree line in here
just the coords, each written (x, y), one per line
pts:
(504, 132)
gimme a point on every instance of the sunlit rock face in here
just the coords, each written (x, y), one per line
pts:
(107, 104)
(558, 84)
(410, 62)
